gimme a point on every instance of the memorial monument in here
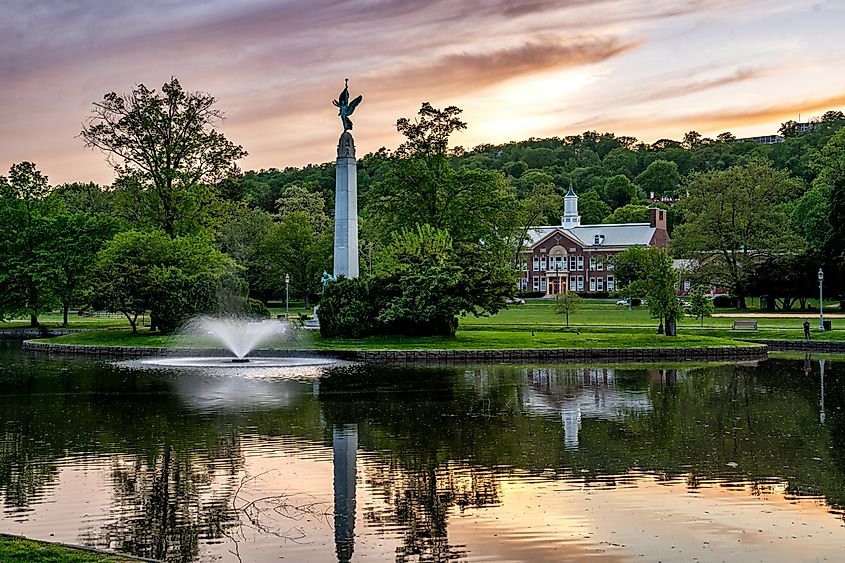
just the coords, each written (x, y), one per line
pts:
(346, 192)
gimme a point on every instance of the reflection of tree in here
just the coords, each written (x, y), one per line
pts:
(23, 475)
(170, 498)
(420, 500)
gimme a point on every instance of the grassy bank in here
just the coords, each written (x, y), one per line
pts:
(597, 324)
(17, 550)
(470, 339)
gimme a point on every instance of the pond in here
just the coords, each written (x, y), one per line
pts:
(496, 463)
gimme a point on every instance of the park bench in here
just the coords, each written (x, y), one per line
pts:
(745, 325)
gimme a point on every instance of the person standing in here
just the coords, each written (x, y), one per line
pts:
(806, 330)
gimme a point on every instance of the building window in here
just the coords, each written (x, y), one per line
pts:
(610, 284)
(523, 265)
(609, 266)
(580, 283)
(592, 264)
(686, 286)
(599, 284)
(535, 283)
(600, 263)
(592, 285)
(572, 263)
(543, 283)
(542, 263)
(523, 284)
(580, 263)
(572, 285)
(559, 263)
(536, 263)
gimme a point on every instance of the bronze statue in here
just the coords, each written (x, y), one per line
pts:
(346, 107)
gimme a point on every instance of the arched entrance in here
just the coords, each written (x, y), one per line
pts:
(557, 272)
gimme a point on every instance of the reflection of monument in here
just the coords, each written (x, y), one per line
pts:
(345, 446)
(346, 193)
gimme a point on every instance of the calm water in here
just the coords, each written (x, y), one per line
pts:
(493, 463)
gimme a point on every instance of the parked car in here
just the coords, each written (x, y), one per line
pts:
(515, 301)
(636, 302)
(622, 302)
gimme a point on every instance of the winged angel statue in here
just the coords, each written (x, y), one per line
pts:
(345, 107)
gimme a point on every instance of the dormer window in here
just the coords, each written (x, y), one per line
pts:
(598, 239)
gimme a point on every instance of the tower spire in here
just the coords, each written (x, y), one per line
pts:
(570, 209)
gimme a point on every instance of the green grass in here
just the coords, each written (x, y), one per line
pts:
(598, 324)
(17, 550)
(470, 339)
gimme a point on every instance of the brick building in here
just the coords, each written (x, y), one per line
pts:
(574, 257)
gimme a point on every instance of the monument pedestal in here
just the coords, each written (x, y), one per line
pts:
(346, 209)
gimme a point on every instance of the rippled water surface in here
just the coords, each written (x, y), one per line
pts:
(482, 463)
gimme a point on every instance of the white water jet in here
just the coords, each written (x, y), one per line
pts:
(238, 335)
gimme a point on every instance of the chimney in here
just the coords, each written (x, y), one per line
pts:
(657, 218)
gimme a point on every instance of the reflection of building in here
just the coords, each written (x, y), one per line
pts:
(574, 257)
(345, 447)
(575, 394)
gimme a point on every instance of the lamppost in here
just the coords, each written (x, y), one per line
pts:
(821, 399)
(287, 285)
(821, 301)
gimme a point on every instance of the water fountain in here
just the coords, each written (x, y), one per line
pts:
(240, 337)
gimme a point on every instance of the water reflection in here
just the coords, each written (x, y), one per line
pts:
(412, 463)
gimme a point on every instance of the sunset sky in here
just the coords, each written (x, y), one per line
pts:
(518, 69)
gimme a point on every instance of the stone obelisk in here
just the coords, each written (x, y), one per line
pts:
(346, 209)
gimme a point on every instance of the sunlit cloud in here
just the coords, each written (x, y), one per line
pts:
(519, 68)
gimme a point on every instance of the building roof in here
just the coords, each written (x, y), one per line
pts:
(615, 234)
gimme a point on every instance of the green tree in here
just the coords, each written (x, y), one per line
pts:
(419, 285)
(700, 306)
(734, 220)
(619, 191)
(567, 303)
(592, 208)
(26, 284)
(831, 163)
(628, 214)
(293, 246)
(476, 207)
(164, 145)
(647, 272)
(242, 239)
(661, 177)
(173, 278)
(69, 254)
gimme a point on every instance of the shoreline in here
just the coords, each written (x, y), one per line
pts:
(755, 351)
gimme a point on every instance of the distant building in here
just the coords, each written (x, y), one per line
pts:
(765, 139)
(575, 257)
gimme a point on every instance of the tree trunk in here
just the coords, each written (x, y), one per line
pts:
(33, 321)
(740, 298)
(65, 308)
(671, 327)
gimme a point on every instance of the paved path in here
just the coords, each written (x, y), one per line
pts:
(796, 315)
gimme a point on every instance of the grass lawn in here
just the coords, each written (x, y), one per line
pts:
(472, 338)
(18, 550)
(597, 324)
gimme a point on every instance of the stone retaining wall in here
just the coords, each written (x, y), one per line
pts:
(729, 353)
(802, 345)
(24, 333)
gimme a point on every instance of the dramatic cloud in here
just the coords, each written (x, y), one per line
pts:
(518, 68)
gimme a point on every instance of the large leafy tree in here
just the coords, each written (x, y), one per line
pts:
(173, 278)
(475, 207)
(163, 146)
(69, 252)
(734, 221)
(26, 284)
(647, 272)
(831, 163)
(661, 177)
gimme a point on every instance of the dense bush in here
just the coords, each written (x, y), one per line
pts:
(255, 309)
(724, 301)
(531, 294)
(347, 309)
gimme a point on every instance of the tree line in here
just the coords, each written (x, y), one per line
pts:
(183, 230)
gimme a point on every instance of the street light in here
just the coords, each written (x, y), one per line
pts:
(287, 285)
(821, 301)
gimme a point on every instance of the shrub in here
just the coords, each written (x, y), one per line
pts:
(724, 301)
(255, 309)
(347, 309)
(531, 294)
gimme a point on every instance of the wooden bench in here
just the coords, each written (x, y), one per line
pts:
(745, 325)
